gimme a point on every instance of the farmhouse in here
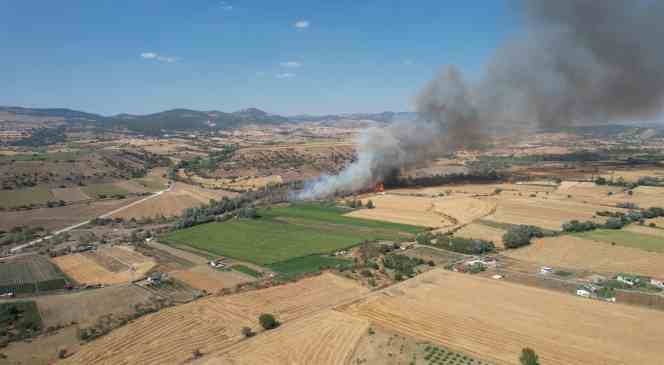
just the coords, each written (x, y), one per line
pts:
(658, 282)
(628, 279)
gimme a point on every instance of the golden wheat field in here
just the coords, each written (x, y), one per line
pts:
(328, 337)
(212, 324)
(107, 265)
(493, 320)
(582, 254)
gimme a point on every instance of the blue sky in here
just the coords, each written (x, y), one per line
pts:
(288, 57)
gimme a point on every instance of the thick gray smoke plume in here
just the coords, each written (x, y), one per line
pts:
(577, 61)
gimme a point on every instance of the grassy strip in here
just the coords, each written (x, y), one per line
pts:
(307, 264)
(20, 197)
(103, 190)
(625, 238)
(247, 270)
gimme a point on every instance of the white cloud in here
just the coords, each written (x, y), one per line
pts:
(226, 6)
(291, 64)
(158, 57)
(285, 75)
(301, 24)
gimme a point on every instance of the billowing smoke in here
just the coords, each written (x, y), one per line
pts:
(578, 61)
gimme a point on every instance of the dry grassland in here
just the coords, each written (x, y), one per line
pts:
(106, 266)
(205, 278)
(634, 175)
(87, 306)
(69, 194)
(185, 255)
(212, 324)
(328, 337)
(582, 254)
(244, 183)
(494, 320)
(47, 346)
(541, 212)
(643, 196)
(659, 222)
(657, 232)
(55, 218)
(171, 203)
(483, 232)
(475, 189)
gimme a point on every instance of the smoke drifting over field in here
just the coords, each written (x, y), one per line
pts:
(576, 61)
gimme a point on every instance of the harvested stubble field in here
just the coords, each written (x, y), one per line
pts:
(206, 278)
(583, 254)
(212, 324)
(328, 337)
(107, 265)
(474, 189)
(54, 218)
(85, 307)
(542, 212)
(483, 232)
(493, 320)
(28, 274)
(171, 203)
(436, 212)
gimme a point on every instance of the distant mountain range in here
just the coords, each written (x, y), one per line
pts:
(186, 119)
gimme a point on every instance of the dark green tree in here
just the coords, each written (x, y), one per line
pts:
(268, 321)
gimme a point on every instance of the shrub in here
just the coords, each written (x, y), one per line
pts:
(247, 332)
(268, 321)
(528, 357)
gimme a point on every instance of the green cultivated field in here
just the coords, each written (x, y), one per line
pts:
(284, 233)
(20, 197)
(305, 264)
(247, 270)
(100, 190)
(626, 238)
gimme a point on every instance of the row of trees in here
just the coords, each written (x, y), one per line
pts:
(616, 220)
(467, 246)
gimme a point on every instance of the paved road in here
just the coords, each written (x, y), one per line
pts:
(106, 215)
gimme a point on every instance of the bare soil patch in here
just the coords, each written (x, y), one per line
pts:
(108, 266)
(206, 278)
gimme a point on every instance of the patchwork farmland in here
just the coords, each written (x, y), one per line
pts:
(30, 274)
(112, 265)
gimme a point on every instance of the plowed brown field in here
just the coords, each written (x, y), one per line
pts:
(212, 324)
(494, 320)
